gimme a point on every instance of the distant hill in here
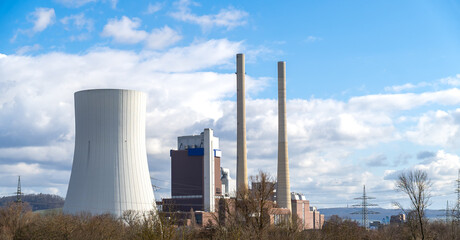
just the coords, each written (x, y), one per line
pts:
(382, 213)
(37, 201)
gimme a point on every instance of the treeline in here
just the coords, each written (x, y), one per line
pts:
(37, 201)
(247, 218)
(17, 221)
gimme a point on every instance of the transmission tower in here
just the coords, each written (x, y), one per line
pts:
(456, 211)
(19, 192)
(447, 213)
(364, 207)
(458, 189)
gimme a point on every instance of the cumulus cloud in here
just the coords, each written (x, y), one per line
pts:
(439, 128)
(75, 3)
(425, 154)
(28, 48)
(406, 101)
(376, 160)
(153, 8)
(43, 17)
(185, 96)
(126, 31)
(36, 98)
(228, 18)
(162, 37)
(452, 81)
(79, 21)
(442, 169)
(399, 88)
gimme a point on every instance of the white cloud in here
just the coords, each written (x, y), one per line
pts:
(26, 49)
(399, 88)
(313, 39)
(75, 3)
(406, 101)
(79, 21)
(42, 18)
(37, 122)
(124, 30)
(452, 81)
(153, 8)
(229, 18)
(162, 37)
(189, 58)
(114, 3)
(56, 152)
(441, 168)
(79, 3)
(438, 128)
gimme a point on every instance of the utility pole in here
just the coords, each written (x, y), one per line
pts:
(364, 208)
(19, 192)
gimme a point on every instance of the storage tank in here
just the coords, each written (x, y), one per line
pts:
(110, 172)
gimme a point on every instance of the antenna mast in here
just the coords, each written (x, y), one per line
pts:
(19, 192)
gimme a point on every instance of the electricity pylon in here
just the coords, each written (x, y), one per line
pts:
(364, 208)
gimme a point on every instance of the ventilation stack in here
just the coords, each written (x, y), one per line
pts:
(283, 192)
(241, 161)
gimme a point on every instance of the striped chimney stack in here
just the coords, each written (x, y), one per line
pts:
(241, 161)
(283, 192)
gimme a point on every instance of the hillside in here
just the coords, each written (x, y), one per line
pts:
(37, 201)
(382, 213)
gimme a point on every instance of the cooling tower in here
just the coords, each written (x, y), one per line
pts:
(283, 192)
(110, 171)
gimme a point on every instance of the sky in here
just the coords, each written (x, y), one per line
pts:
(372, 87)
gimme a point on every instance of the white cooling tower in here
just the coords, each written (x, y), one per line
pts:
(110, 172)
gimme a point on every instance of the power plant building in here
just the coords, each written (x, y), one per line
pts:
(195, 173)
(308, 216)
(110, 172)
(228, 184)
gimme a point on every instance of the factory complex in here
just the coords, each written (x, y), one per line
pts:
(110, 172)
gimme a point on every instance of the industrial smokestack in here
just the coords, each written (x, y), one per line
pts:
(241, 162)
(283, 192)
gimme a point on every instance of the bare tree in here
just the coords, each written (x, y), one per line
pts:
(416, 185)
(248, 216)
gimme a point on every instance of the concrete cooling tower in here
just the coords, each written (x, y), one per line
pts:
(110, 171)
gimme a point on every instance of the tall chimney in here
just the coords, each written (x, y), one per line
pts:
(241, 162)
(283, 193)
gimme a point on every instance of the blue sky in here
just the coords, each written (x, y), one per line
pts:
(372, 86)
